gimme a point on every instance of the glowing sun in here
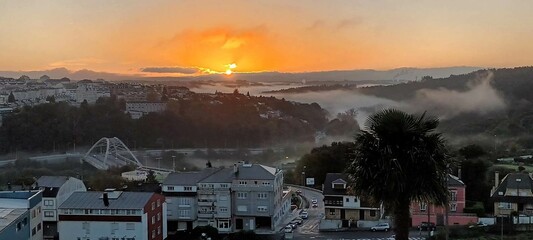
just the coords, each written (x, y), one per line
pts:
(230, 68)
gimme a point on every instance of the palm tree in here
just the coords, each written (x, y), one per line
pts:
(400, 159)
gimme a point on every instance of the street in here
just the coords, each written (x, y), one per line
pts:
(310, 227)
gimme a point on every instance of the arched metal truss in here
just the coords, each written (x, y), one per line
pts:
(110, 152)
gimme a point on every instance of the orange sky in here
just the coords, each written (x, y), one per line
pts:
(187, 37)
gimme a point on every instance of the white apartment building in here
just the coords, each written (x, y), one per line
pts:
(56, 189)
(138, 109)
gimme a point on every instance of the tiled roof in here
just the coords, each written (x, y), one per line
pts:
(188, 178)
(511, 182)
(328, 184)
(224, 175)
(255, 172)
(94, 200)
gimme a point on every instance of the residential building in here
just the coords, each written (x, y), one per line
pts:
(180, 190)
(138, 109)
(22, 208)
(437, 214)
(258, 202)
(56, 189)
(512, 194)
(342, 209)
(214, 200)
(113, 215)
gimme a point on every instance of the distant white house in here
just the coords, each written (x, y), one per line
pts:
(138, 109)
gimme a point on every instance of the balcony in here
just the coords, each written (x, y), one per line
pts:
(206, 203)
(210, 214)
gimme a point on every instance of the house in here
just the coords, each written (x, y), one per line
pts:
(437, 214)
(342, 209)
(22, 213)
(56, 189)
(113, 215)
(512, 194)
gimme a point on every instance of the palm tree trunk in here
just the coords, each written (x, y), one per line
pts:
(402, 219)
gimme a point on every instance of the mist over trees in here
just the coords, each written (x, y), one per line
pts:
(226, 120)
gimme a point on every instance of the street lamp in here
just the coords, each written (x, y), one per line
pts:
(303, 176)
(174, 163)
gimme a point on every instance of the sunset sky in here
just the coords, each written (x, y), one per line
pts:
(189, 37)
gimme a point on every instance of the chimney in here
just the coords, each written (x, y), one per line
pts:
(496, 179)
(459, 173)
(106, 200)
(235, 168)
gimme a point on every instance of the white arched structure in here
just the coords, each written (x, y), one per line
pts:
(110, 152)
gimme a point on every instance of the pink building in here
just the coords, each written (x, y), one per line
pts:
(437, 214)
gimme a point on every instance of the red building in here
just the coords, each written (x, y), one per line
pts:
(437, 214)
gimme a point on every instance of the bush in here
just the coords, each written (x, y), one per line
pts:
(208, 230)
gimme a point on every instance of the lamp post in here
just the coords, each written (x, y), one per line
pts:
(303, 176)
(173, 163)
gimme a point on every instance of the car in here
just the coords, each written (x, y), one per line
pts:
(315, 205)
(478, 225)
(304, 214)
(288, 229)
(427, 226)
(299, 191)
(314, 201)
(298, 220)
(295, 223)
(381, 227)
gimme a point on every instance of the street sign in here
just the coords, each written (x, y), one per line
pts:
(310, 181)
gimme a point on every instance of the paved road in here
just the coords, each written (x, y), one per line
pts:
(309, 228)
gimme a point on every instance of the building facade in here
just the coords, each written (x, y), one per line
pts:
(437, 214)
(113, 215)
(26, 205)
(56, 189)
(343, 210)
(512, 194)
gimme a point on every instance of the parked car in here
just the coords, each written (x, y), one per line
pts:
(478, 225)
(304, 214)
(381, 227)
(288, 229)
(427, 226)
(298, 220)
(314, 201)
(299, 191)
(315, 205)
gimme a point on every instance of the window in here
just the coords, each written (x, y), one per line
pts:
(158, 230)
(331, 211)
(223, 210)
(372, 213)
(130, 226)
(19, 226)
(242, 182)
(49, 213)
(169, 188)
(25, 221)
(187, 188)
(158, 217)
(184, 201)
(242, 208)
(505, 205)
(242, 195)
(266, 183)
(33, 231)
(453, 207)
(153, 233)
(223, 224)
(153, 219)
(261, 208)
(39, 210)
(347, 200)
(224, 185)
(423, 207)
(33, 213)
(262, 195)
(158, 202)
(153, 205)
(184, 213)
(48, 202)
(453, 196)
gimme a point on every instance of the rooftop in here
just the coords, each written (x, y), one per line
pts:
(9, 215)
(52, 181)
(188, 178)
(93, 200)
(255, 172)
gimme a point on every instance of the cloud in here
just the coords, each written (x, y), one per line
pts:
(316, 25)
(76, 63)
(182, 70)
(480, 97)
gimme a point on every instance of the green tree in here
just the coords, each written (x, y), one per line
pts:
(400, 159)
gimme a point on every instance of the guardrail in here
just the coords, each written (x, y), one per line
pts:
(304, 187)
